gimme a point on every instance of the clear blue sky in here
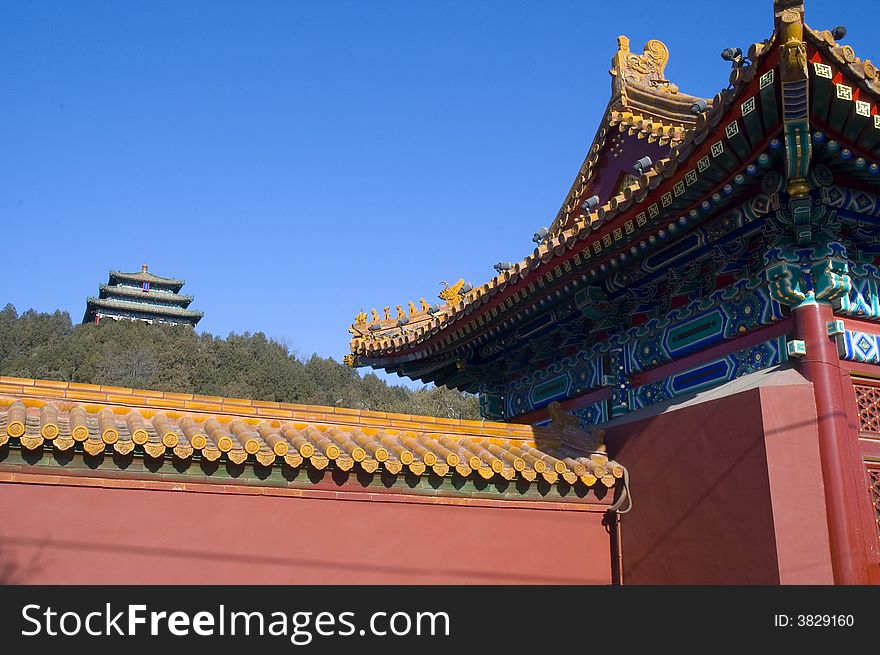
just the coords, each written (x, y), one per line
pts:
(296, 161)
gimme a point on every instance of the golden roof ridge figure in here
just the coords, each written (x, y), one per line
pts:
(452, 294)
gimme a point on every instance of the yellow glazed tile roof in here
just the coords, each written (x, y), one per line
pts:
(38, 414)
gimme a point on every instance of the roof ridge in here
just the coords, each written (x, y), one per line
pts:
(122, 286)
(191, 435)
(144, 275)
(153, 399)
(174, 309)
(644, 73)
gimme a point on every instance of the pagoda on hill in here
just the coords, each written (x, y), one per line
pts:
(141, 296)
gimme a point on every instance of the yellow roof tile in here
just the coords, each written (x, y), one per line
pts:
(435, 447)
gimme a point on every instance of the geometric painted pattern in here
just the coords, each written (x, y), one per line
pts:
(689, 296)
(682, 332)
(710, 374)
(591, 414)
(713, 289)
(726, 320)
(862, 301)
(851, 200)
(571, 376)
(874, 488)
(861, 347)
(868, 402)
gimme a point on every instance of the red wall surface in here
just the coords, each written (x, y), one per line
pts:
(72, 534)
(726, 491)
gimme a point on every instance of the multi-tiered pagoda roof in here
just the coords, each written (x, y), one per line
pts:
(141, 296)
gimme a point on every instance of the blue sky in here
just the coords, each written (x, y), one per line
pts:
(296, 161)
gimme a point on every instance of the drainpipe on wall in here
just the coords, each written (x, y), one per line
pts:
(614, 531)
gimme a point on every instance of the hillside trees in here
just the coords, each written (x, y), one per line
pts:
(176, 358)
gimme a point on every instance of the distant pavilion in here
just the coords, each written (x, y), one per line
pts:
(141, 296)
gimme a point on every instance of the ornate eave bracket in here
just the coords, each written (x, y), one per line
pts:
(593, 303)
(785, 281)
(826, 280)
(831, 279)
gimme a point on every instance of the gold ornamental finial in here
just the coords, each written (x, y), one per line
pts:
(144, 268)
(793, 49)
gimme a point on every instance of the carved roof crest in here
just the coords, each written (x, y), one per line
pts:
(646, 69)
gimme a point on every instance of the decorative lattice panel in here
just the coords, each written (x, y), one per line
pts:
(874, 482)
(868, 401)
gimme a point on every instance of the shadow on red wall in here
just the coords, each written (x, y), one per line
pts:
(727, 487)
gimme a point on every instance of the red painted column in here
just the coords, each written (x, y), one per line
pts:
(821, 366)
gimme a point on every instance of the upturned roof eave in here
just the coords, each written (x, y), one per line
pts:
(685, 153)
(146, 308)
(146, 277)
(105, 290)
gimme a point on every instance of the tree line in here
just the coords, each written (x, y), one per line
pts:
(176, 358)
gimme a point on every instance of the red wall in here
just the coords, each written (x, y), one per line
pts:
(726, 491)
(70, 534)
